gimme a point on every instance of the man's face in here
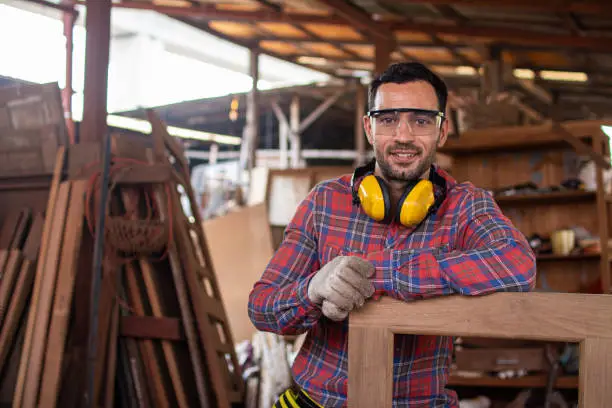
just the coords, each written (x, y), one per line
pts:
(403, 153)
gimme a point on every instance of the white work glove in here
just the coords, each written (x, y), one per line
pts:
(342, 285)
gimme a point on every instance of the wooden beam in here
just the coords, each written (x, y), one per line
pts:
(210, 12)
(447, 11)
(358, 18)
(149, 327)
(93, 127)
(583, 315)
(583, 7)
(581, 147)
(63, 7)
(382, 55)
(315, 114)
(508, 35)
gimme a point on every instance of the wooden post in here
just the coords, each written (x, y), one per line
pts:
(252, 116)
(93, 127)
(360, 142)
(370, 367)
(382, 55)
(294, 123)
(491, 80)
(595, 373)
(602, 216)
(69, 19)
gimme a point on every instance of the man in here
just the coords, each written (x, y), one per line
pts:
(340, 249)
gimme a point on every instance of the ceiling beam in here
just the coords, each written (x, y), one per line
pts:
(210, 12)
(349, 15)
(584, 7)
(359, 18)
(508, 35)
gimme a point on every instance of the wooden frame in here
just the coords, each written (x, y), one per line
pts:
(563, 317)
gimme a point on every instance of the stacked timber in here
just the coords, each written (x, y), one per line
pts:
(108, 296)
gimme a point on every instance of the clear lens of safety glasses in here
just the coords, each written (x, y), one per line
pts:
(421, 122)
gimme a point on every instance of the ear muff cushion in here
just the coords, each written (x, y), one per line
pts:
(374, 198)
(416, 203)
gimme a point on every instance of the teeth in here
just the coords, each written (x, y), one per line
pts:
(405, 155)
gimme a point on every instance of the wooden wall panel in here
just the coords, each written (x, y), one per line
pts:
(240, 244)
(543, 219)
(497, 170)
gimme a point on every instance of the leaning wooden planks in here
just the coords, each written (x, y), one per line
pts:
(209, 310)
(15, 288)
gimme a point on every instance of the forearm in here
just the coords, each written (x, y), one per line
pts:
(503, 265)
(283, 309)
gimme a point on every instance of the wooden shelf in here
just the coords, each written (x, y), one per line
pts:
(555, 197)
(568, 382)
(577, 257)
(516, 138)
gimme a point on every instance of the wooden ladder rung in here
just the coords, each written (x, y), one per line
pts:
(214, 309)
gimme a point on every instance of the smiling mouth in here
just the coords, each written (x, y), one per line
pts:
(404, 155)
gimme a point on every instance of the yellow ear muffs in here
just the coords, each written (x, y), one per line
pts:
(374, 198)
(416, 202)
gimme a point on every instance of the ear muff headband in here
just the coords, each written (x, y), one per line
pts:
(418, 200)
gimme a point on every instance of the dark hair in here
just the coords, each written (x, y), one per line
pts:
(403, 72)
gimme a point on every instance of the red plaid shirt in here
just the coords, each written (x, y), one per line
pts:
(467, 247)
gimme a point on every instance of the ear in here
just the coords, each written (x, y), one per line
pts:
(367, 126)
(443, 133)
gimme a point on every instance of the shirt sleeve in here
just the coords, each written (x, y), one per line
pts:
(279, 300)
(491, 255)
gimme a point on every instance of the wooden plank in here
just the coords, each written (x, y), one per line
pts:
(22, 290)
(370, 367)
(105, 308)
(149, 358)
(62, 302)
(8, 228)
(148, 327)
(46, 235)
(9, 276)
(579, 316)
(47, 288)
(595, 373)
(236, 275)
(152, 290)
(21, 231)
(16, 309)
(111, 371)
(225, 388)
(4, 253)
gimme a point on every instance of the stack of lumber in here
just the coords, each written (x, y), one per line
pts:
(146, 326)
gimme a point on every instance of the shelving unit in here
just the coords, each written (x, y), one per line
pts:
(501, 157)
(530, 381)
(498, 158)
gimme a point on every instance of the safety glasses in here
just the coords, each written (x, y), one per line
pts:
(421, 122)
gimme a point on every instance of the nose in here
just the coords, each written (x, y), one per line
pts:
(403, 131)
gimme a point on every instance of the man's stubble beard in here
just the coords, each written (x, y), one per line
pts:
(404, 175)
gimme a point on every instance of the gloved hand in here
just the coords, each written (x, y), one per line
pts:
(341, 285)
